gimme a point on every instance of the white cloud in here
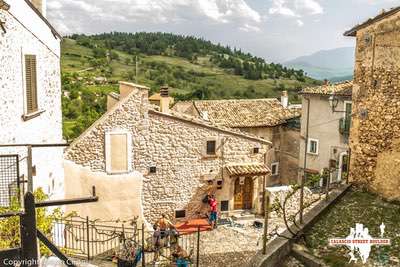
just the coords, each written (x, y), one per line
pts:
(300, 23)
(249, 28)
(296, 8)
(309, 6)
(278, 7)
(82, 14)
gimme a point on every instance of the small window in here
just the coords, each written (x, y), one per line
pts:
(180, 214)
(153, 169)
(312, 147)
(118, 152)
(219, 184)
(211, 147)
(31, 98)
(225, 205)
(256, 150)
(275, 168)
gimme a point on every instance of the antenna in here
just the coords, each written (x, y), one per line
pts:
(137, 70)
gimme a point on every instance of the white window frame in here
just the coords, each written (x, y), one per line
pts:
(277, 168)
(309, 146)
(108, 150)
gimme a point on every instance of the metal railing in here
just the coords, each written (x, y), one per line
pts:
(91, 239)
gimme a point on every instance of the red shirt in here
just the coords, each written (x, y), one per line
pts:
(213, 205)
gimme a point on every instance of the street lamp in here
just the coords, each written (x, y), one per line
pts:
(333, 102)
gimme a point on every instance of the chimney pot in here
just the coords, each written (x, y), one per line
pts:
(164, 91)
(285, 99)
(165, 99)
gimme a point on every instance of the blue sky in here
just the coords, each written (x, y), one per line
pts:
(277, 30)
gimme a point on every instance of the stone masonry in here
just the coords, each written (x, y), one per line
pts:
(175, 146)
(375, 133)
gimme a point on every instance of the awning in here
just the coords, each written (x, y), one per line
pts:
(247, 169)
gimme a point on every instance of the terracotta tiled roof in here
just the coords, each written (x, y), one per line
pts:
(341, 89)
(382, 15)
(194, 120)
(241, 113)
(247, 169)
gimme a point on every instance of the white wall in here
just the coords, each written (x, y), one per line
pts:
(324, 126)
(28, 34)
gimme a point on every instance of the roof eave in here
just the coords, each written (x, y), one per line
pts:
(53, 30)
(353, 31)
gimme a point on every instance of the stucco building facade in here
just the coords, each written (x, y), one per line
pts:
(325, 124)
(145, 162)
(30, 91)
(375, 135)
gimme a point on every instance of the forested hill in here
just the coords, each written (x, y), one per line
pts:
(192, 68)
(190, 48)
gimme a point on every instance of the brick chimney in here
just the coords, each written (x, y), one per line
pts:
(40, 5)
(165, 99)
(285, 99)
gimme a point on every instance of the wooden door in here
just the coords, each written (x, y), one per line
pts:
(243, 198)
(248, 194)
(238, 197)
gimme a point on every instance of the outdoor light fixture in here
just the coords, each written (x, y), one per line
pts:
(333, 102)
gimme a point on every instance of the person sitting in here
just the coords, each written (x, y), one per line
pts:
(180, 257)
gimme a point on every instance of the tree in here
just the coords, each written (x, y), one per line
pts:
(113, 55)
(10, 228)
(290, 217)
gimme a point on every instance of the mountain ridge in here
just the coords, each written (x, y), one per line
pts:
(326, 64)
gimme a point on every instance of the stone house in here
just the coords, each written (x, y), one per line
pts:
(375, 131)
(145, 162)
(267, 118)
(325, 124)
(30, 93)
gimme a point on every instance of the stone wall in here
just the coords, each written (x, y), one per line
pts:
(375, 135)
(26, 33)
(176, 147)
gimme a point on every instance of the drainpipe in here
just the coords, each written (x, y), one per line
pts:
(303, 177)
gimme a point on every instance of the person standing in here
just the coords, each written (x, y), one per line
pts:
(213, 212)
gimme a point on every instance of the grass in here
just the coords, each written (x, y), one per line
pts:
(356, 207)
(223, 84)
(184, 78)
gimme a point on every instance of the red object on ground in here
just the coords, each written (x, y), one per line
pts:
(191, 226)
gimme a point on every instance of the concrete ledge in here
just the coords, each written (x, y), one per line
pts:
(279, 248)
(302, 255)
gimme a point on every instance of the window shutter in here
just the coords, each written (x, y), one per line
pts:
(31, 83)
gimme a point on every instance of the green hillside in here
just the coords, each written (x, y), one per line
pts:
(192, 68)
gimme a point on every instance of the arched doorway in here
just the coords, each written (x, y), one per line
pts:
(243, 193)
